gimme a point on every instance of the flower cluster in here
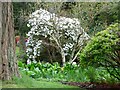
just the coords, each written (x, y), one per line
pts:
(48, 25)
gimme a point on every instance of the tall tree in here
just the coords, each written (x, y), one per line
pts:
(8, 62)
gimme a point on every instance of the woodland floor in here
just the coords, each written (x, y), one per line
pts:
(94, 86)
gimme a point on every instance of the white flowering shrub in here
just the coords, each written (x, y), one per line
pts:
(65, 34)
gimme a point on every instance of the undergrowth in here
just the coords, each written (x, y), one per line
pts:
(74, 73)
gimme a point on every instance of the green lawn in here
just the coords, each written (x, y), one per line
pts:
(27, 82)
(38, 84)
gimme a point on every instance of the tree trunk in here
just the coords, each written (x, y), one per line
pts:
(8, 62)
(0, 39)
(60, 49)
(63, 56)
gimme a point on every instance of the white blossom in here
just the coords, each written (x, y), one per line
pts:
(28, 25)
(45, 24)
(28, 61)
(74, 63)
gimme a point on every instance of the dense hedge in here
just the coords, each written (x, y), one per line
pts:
(104, 50)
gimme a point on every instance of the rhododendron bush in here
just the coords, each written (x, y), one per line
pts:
(49, 29)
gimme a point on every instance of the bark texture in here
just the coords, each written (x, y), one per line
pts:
(8, 62)
(0, 38)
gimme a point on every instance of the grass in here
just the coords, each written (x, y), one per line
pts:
(0, 84)
(27, 82)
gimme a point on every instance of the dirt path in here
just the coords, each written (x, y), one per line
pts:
(94, 86)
